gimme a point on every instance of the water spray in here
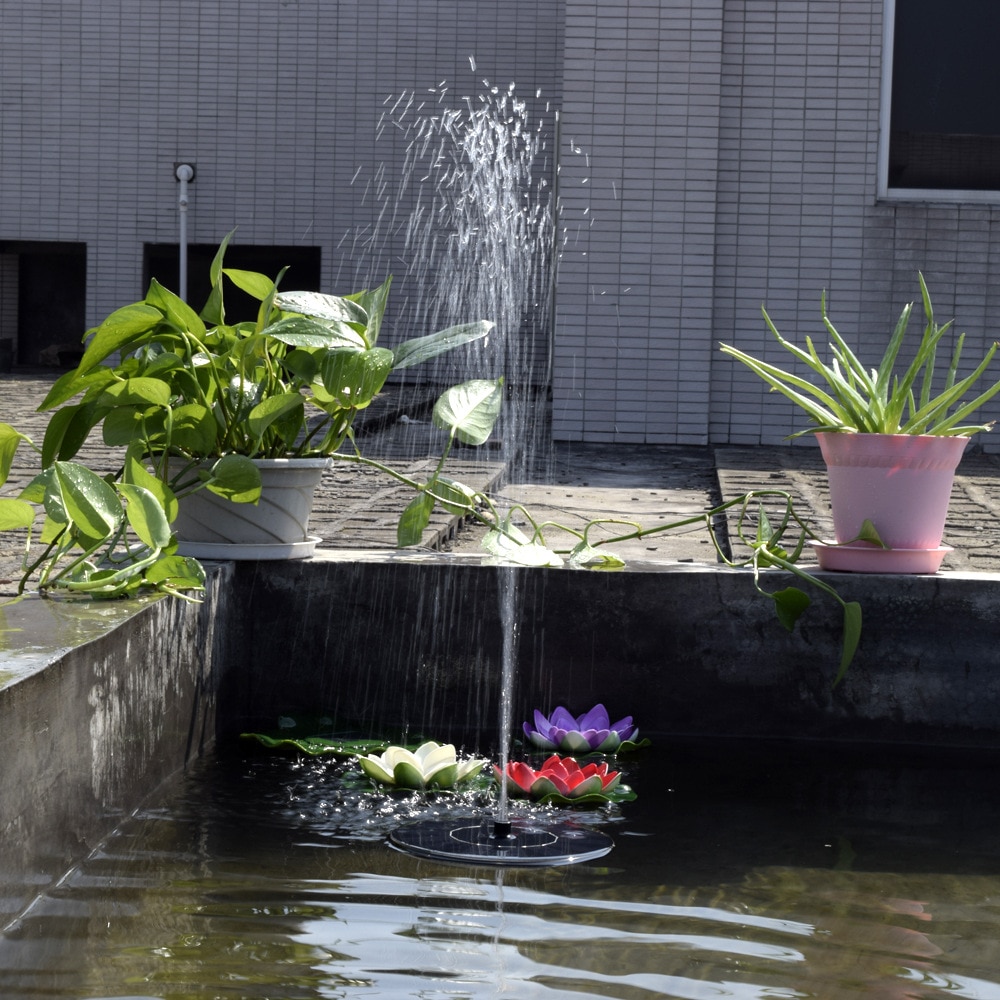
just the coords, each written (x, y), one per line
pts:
(480, 238)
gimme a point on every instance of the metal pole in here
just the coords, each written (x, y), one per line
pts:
(184, 172)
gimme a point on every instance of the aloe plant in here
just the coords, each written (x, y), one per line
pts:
(849, 397)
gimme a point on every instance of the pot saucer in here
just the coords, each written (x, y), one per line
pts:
(871, 559)
(225, 551)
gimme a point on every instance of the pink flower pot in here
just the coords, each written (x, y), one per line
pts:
(899, 482)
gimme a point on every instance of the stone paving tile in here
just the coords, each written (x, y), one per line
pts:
(358, 507)
(649, 486)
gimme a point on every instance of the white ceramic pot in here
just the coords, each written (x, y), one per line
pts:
(277, 527)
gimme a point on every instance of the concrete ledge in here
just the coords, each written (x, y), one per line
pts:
(415, 642)
(99, 704)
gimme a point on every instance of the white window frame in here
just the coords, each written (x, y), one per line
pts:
(885, 112)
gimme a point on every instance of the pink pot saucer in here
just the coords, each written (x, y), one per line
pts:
(871, 559)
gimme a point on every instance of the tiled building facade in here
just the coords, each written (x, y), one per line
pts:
(714, 155)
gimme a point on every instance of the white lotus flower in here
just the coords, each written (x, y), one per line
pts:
(431, 765)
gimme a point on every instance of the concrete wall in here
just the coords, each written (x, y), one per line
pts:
(417, 643)
(100, 704)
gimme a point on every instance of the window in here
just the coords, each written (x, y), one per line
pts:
(941, 89)
(161, 260)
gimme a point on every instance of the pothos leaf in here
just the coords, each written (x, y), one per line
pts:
(790, 603)
(586, 556)
(15, 514)
(146, 515)
(852, 636)
(414, 519)
(9, 440)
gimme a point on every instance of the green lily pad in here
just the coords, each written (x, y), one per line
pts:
(317, 746)
(622, 793)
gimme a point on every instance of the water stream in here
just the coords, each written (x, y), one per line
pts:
(473, 209)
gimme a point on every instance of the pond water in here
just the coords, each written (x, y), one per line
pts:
(739, 871)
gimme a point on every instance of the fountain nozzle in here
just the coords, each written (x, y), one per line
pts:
(501, 829)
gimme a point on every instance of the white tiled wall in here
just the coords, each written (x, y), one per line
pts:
(729, 160)
(715, 155)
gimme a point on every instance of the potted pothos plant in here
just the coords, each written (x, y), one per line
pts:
(891, 438)
(235, 419)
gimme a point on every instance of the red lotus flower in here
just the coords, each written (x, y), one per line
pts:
(560, 776)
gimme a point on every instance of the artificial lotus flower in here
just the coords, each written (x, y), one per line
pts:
(561, 777)
(431, 765)
(589, 733)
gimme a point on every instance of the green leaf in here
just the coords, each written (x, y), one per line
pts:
(34, 492)
(414, 519)
(317, 746)
(353, 378)
(455, 497)
(790, 603)
(413, 352)
(234, 477)
(122, 328)
(67, 430)
(214, 312)
(176, 573)
(851, 638)
(138, 391)
(324, 307)
(302, 364)
(134, 471)
(146, 515)
(83, 498)
(586, 556)
(175, 309)
(9, 441)
(15, 514)
(869, 534)
(273, 409)
(470, 410)
(71, 383)
(373, 301)
(124, 424)
(302, 331)
(258, 286)
(194, 429)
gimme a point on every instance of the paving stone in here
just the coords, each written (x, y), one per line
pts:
(358, 507)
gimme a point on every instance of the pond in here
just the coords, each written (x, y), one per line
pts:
(741, 870)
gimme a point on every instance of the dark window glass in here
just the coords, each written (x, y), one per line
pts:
(303, 274)
(945, 115)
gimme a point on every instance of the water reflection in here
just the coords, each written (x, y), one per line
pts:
(251, 879)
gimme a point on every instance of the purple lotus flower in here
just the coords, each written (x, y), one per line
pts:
(589, 733)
